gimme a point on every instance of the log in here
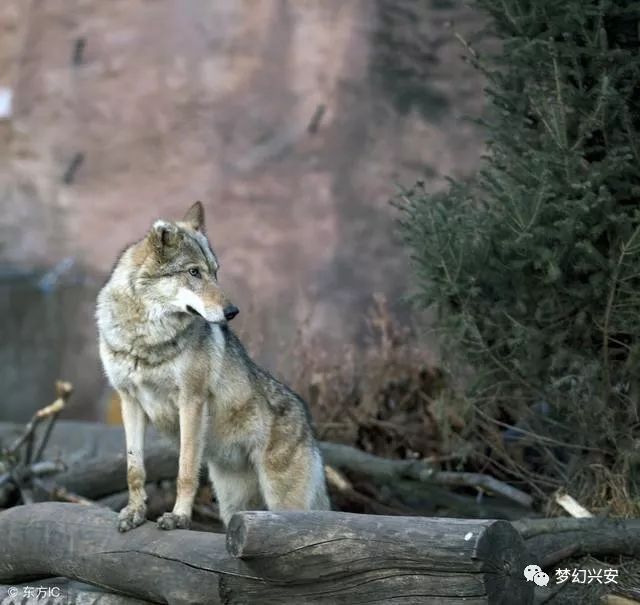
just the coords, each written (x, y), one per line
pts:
(552, 540)
(380, 558)
(302, 558)
(82, 543)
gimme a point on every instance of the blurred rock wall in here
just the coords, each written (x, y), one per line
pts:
(292, 120)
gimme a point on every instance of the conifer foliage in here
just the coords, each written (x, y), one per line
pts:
(534, 264)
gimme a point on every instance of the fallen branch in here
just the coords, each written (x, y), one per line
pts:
(434, 500)
(572, 506)
(348, 458)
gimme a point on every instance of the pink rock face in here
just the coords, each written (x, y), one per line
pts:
(291, 121)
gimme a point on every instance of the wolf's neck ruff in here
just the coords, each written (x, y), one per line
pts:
(157, 353)
(143, 335)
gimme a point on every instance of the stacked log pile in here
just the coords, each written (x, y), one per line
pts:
(271, 558)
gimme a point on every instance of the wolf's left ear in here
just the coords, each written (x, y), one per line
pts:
(195, 217)
(165, 235)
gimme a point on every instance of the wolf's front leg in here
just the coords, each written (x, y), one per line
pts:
(192, 429)
(134, 421)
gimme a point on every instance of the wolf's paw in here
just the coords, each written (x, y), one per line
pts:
(131, 517)
(173, 521)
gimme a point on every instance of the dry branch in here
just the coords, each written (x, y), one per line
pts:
(63, 392)
(302, 558)
(20, 469)
(348, 458)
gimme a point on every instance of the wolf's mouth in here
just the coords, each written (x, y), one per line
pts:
(193, 311)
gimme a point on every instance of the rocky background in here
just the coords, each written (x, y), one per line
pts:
(292, 120)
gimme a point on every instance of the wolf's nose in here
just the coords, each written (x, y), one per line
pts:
(230, 311)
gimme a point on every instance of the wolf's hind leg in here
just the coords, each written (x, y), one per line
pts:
(294, 481)
(235, 490)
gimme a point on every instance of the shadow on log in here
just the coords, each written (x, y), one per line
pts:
(302, 558)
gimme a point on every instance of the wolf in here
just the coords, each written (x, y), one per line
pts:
(167, 348)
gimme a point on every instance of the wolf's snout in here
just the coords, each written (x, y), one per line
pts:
(230, 311)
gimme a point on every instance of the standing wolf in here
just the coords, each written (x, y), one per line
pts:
(166, 347)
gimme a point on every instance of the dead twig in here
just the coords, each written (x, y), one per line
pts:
(21, 471)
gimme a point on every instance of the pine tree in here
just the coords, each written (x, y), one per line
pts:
(534, 264)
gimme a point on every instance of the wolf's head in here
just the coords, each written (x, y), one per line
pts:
(178, 270)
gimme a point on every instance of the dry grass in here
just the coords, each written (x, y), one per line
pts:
(380, 397)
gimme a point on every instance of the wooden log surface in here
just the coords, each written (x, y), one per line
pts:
(452, 558)
(302, 558)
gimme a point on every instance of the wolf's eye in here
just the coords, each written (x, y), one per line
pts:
(195, 272)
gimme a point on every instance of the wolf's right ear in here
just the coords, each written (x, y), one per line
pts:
(195, 217)
(164, 235)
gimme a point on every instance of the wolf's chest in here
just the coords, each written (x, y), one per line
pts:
(158, 397)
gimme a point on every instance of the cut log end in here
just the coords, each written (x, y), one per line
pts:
(502, 552)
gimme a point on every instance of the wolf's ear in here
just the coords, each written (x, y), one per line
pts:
(195, 217)
(164, 235)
